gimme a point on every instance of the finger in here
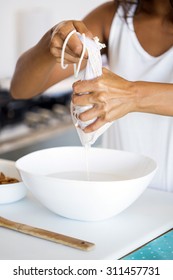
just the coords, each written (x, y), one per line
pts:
(57, 44)
(81, 28)
(61, 32)
(86, 86)
(90, 114)
(67, 61)
(76, 46)
(68, 58)
(95, 125)
(82, 99)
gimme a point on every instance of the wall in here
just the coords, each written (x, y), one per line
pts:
(15, 34)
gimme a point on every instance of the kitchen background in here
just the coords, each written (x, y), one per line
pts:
(44, 121)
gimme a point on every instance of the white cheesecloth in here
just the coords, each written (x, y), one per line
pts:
(93, 69)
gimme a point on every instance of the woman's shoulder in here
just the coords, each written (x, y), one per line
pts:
(100, 19)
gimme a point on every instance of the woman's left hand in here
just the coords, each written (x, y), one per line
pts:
(111, 96)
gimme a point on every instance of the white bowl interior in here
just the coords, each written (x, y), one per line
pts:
(116, 179)
(122, 165)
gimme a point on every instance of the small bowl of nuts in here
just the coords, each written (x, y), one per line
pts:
(11, 186)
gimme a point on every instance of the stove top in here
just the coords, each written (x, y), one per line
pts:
(32, 112)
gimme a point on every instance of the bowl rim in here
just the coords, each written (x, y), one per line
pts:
(17, 163)
(11, 185)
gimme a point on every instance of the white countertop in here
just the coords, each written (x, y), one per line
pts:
(150, 216)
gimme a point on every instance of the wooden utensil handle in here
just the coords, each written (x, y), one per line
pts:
(48, 235)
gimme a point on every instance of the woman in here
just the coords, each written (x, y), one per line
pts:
(137, 90)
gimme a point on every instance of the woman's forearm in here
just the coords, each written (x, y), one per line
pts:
(113, 97)
(33, 70)
(40, 67)
(156, 98)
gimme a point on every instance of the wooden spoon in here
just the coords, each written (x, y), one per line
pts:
(48, 235)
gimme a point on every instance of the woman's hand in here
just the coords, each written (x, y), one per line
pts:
(74, 46)
(112, 97)
(43, 61)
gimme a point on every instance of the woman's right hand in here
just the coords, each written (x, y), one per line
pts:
(74, 46)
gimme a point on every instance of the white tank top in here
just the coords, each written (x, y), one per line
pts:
(148, 134)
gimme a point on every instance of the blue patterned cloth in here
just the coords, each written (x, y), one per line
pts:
(159, 249)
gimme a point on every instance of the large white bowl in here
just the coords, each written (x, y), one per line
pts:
(14, 191)
(54, 177)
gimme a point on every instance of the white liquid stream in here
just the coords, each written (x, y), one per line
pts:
(86, 175)
(87, 148)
